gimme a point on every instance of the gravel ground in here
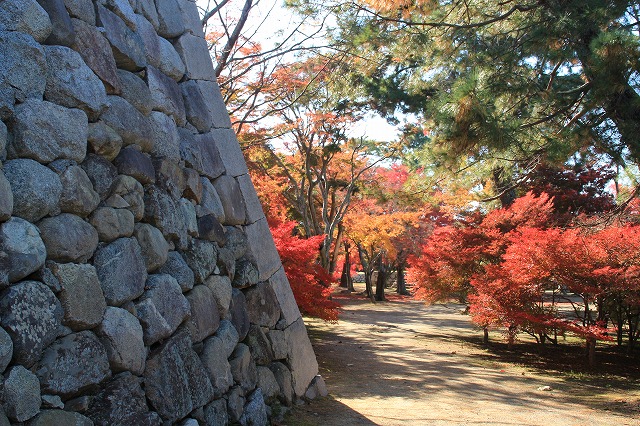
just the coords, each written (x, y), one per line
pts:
(402, 362)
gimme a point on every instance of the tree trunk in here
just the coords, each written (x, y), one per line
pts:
(485, 337)
(382, 279)
(511, 336)
(333, 261)
(368, 272)
(591, 351)
(401, 283)
(345, 279)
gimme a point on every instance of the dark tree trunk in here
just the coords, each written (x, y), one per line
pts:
(382, 279)
(591, 352)
(485, 337)
(401, 283)
(368, 272)
(345, 279)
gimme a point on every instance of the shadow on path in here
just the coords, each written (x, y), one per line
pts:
(399, 363)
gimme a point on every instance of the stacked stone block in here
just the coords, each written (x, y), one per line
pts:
(139, 283)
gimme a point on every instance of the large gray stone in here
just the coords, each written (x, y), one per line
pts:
(280, 285)
(267, 382)
(81, 9)
(222, 290)
(245, 275)
(122, 336)
(251, 200)
(200, 154)
(25, 16)
(170, 62)
(168, 12)
(135, 91)
(201, 258)
(112, 224)
(173, 379)
(205, 318)
(214, 359)
(178, 269)
(243, 369)
(210, 228)
(229, 337)
(232, 200)
(191, 17)
(262, 304)
(134, 163)
(166, 95)
(198, 113)
(239, 314)
(215, 414)
(155, 249)
(78, 196)
(121, 270)
(73, 364)
(237, 241)
(259, 345)
(263, 249)
(230, 152)
(6, 350)
(162, 211)
(62, 29)
(96, 52)
(21, 242)
(190, 218)
(170, 307)
(60, 417)
(217, 108)
(71, 83)
(227, 263)
(21, 394)
(169, 175)
(193, 189)
(166, 142)
(22, 69)
(31, 314)
(123, 9)
(68, 238)
(210, 204)
(147, 8)
(122, 403)
(126, 45)
(150, 39)
(300, 358)
(104, 141)
(255, 412)
(285, 382)
(101, 173)
(154, 326)
(235, 404)
(132, 126)
(81, 296)
(195, 54)
(45, 132)
(278, 344)
(132, 192)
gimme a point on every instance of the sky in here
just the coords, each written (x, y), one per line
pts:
(266, 21)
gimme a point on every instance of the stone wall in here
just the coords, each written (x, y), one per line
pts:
(139, 283)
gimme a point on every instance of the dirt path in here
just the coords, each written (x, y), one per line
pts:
(400, 363)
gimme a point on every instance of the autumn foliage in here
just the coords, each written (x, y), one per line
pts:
(519, 273)
(309, 281)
